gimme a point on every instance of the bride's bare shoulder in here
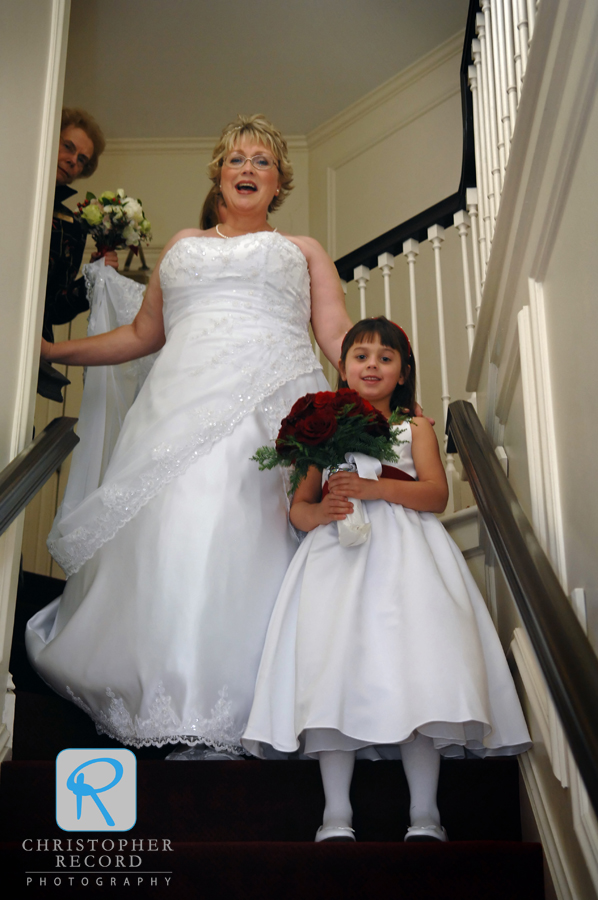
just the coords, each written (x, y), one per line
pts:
(310, 248)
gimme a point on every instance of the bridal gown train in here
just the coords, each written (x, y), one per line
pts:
(175, 561)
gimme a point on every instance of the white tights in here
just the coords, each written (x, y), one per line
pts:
(421, 762)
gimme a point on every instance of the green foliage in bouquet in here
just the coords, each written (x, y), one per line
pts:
(321, 428)
(114, 221)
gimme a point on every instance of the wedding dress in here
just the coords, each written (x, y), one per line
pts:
(174, 561)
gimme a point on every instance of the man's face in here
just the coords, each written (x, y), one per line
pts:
(74, 152)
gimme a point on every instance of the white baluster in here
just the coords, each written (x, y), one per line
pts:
(511, 71)
(478, 139)
(386, 262)
(491, 150)
(514, 5)
(362, 276)
(488, 54)
(462, 223)
(436, 238)
(499, 15)
(471, 195)
(410, 251)
(531, 19)
(485, 180)
(344, 286)
(523, 35)
(492, 31)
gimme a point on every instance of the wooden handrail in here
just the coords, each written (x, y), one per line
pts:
(28, 472)
(564, 653)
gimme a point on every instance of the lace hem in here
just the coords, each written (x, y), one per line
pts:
(163, 726)
(121, 504)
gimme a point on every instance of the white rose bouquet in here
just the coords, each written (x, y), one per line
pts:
(114, 221)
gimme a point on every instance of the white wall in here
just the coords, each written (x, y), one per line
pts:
(32, 56)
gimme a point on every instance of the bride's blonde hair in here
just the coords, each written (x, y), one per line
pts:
(260, 130)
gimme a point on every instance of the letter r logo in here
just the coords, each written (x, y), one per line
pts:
(96, 790)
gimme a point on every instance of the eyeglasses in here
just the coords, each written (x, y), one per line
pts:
(260, 161)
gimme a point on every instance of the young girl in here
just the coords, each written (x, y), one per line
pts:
(387, 645)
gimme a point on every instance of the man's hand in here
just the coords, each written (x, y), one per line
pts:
(419, 412)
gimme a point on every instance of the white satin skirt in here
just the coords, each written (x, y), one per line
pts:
(368, 645)
(158, 636)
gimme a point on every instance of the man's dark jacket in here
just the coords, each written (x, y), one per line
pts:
(66, 296)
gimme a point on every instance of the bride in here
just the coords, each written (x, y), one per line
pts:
(175, 561)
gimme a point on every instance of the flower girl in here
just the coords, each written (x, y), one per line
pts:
(387, 645)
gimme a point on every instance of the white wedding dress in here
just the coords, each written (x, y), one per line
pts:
(175, 560)
(369, 644)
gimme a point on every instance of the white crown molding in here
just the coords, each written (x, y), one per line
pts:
(387, 91)
(177, 146)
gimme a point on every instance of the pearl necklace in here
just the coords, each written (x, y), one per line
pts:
(227, 236)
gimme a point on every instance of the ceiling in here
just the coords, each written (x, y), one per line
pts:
(183, 68)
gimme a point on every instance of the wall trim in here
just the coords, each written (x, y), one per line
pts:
(553, 852)
(387, 91)
(192, 145)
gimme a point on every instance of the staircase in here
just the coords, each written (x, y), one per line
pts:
(245, 829)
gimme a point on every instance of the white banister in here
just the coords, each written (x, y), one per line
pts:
(410, 252)
(386, 262)
(462, 223)
(471, 195)
(361, 275)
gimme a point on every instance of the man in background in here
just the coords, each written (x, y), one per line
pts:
(81, 144)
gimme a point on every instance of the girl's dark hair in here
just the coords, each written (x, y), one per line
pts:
(389, 335)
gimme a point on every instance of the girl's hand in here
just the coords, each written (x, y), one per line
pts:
(333, 508)
(349, 484)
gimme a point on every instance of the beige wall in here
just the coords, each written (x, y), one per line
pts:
(389, 156)
(170, 178)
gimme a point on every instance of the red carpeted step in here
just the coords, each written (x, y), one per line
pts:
(272, 871)
(276, 801)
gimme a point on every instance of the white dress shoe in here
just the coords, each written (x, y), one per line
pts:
(426, 833)
(335, 833)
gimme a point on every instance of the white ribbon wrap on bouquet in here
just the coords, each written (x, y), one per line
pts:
(355, 529)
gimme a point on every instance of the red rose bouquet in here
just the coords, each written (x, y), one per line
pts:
(321, 428)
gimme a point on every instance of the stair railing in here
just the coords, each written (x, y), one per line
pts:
(496, 46)
(28, 472)
(564, 653)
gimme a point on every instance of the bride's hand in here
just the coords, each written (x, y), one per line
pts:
(46, 350)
